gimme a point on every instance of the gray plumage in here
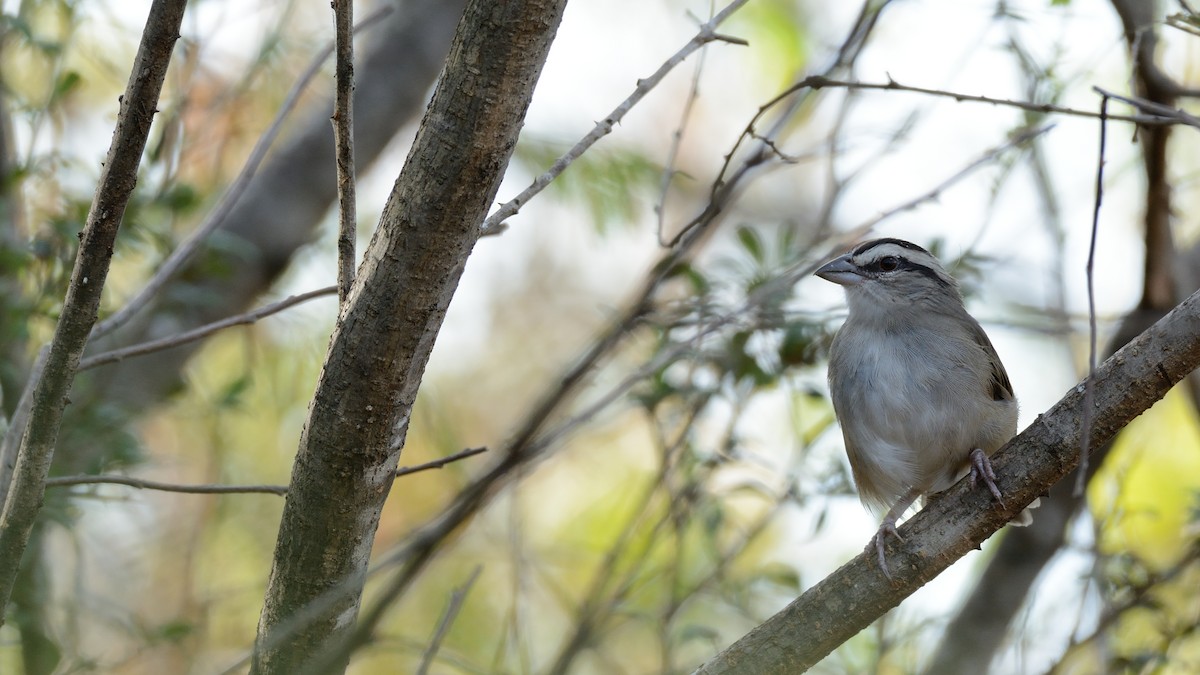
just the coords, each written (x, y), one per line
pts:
(917, 386)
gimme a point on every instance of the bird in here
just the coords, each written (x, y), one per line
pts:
(917, 387)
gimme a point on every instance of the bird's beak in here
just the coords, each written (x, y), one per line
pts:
(841, 271)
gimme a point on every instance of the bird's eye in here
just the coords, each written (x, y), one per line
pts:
(889, 263)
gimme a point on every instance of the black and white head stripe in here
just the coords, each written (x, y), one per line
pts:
(891, 256)
(868, 245)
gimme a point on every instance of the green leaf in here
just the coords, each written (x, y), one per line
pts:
(752, 242)
(68, 82)
(781, 575)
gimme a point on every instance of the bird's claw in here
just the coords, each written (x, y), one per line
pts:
(887, 529)
(981, 470)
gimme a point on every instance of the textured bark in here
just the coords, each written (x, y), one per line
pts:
(852, 597)
(343, 132)
(359, 415)
(80, 308)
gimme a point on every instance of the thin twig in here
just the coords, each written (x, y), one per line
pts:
(1088, 393)
(343, 140)
(205, 489)
(143, 484)
(669, 171)
(439, 463)
(1168, 116)
(452, 608)
(707, 33)
(1165, 112)
(725, 185)
(202, 331)
(187, 250)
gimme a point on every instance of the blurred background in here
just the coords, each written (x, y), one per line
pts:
(693, 481)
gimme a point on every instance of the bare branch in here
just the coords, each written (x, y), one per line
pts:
(143, 484)
(1165, 113)
(202, 331)
(184, 253)
(455, 604)
(343, 127)
(1089, 390)
(440, 463)
(818, 82)
(117, 181)
(668, 172)
(855, 595)
(493, 224)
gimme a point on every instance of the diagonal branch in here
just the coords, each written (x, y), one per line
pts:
(192, 245)
(82, 304)
(707, 34)
(851, 598)
(202, 332)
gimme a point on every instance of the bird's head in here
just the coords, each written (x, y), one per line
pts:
(887, 272)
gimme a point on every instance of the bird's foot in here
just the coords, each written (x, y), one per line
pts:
(981, 470)
(887, 529)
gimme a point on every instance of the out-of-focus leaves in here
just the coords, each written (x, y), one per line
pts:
(67, 83)
(609, 183)
(752, 242)
(799, 344)
(176, 630)
(693, 631)
(699, 283)
(233, 394)
(741, 364)
(781, 575)
(780, 38)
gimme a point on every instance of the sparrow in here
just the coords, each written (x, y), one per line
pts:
(918, 389)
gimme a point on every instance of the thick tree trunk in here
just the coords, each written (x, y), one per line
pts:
(359, 415)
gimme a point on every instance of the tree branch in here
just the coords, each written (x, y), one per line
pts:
(1159, 116)
(143, 484)
(851, 598)
(452, 608)
(343, 126)
(440, 463)
(359, 415)
(203, 331)
(82, 304)
(706, 35)
(188, 249)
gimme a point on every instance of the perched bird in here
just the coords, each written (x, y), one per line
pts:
(919, 390)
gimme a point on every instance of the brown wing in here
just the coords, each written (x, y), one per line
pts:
(1001, 387)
